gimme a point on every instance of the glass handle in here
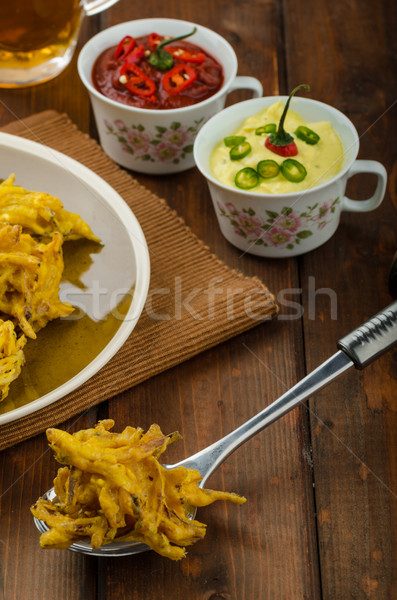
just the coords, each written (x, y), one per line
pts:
(92, 7)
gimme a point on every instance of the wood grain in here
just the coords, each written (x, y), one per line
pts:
(353, 421)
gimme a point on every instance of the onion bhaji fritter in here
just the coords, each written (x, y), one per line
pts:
(39, 213)
(11, 356)
(30, 274)
(33, 227)
(113, 486)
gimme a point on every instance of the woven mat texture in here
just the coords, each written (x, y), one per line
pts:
(175, 252)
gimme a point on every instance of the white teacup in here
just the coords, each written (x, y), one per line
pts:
(284, 225)
(157, 141)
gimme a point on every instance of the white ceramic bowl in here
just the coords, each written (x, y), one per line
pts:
(157, 141)
(110, 273)
(284, 225)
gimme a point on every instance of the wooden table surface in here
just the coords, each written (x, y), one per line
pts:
(320, 521)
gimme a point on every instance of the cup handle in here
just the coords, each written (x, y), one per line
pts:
(92, 7)
(367, 166)
(247, 83)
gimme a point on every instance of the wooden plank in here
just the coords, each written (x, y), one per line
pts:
(347, 58)
(26, 471)
(267, 548)
(246, 550)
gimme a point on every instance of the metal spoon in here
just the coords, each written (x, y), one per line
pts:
(359, 348)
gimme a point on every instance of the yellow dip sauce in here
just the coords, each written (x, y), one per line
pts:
(322, 161)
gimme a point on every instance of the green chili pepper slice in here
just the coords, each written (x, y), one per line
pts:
(240, 151)
(307, 135)
(293, 170)
(246, 178)
(269, 128)
(268, 168)
(162, 59)
(233, 140)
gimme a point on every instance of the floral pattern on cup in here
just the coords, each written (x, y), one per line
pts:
(284, 229)
(167, 145)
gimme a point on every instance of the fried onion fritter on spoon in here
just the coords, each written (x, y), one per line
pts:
(113, 487)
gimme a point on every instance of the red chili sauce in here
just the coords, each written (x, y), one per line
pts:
(208, 75)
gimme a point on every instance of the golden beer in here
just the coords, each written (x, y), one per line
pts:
(37, 39)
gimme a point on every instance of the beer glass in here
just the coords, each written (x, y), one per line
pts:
(38, 37)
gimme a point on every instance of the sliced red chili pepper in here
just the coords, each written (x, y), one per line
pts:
(178, 78)
(288, 150)
(136, 81)
(154, 39)
(124, 47)
(185, 55)
(136, 54)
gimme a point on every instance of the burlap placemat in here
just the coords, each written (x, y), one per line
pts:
(203, 319)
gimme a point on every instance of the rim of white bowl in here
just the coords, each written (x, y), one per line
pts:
(241, 105)
(149, 111)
